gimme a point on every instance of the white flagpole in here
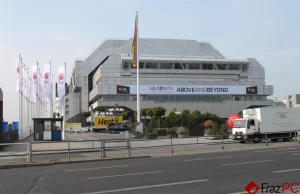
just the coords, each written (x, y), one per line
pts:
(26, 102)
(52, 95)
(64, 111)
(22, 125)
(20, 98)
(137, 71)
(38, 91)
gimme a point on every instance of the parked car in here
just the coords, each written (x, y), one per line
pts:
(84, 129)
(112, 128)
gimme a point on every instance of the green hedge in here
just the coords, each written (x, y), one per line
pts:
(161, 132)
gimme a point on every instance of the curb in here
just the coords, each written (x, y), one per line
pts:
(25, 165)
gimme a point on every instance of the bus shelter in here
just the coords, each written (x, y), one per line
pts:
(50, 129)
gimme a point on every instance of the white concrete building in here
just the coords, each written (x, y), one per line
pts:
(174, 74)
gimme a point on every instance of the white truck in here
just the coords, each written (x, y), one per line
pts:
(266, 123)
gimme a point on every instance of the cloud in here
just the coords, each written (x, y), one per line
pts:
(295, 52)
(65, 37)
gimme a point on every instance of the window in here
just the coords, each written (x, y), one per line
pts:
(193, 98)
(166, 65)
(123, 98)
(151, 65)
(150, 97)
(141, 65)
(165, 98)
(186, 98)
(234, 67)
(109, 98)
(178, 66)
(200, 98)
(206, 98)
(172, 98)
(194, 66)
(157, 98)
(222, 66)
(245, 67)
(207, 66)
(214, 98)
(126, 65)
(178, 98)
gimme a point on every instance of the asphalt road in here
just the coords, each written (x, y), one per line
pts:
(211, 173)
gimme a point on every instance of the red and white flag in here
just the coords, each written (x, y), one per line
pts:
(17, 74)
(61, 80)
(34, 84)
(24, 90)
(47, 80)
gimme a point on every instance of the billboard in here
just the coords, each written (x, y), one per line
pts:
(187, 89)
(103, 121)
(5, 127)
(123, 89)
(15, 125)
(67, 125)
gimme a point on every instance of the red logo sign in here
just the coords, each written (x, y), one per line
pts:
(46, 75)
(61, 76)
(252, 187)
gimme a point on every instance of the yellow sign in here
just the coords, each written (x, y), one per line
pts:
(103, 121)
(72, 125)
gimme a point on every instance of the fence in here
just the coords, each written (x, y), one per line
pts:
(104, 146)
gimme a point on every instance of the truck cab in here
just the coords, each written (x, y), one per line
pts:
(244, 128)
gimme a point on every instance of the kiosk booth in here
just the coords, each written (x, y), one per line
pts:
(50, 129)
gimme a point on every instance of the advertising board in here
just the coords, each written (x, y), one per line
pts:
(187, 89)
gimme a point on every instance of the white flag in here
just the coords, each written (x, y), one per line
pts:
(24, 83)
(47, 80)
(17, 74)
(30, 89)
(34, 86)
(41, 88)
(61, 80)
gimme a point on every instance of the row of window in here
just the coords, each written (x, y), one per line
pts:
(192, 66)
(181, 98)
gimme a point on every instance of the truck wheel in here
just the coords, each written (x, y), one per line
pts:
(242, 141)
(256, 140)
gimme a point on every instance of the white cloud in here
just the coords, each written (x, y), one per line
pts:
(295, 52)
(65, 37)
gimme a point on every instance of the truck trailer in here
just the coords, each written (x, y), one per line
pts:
(266, 123)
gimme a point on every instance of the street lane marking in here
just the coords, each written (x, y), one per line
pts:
(96, 168)
(289, 170)
(120, 175)
(296, 154)
(275, 150)
(286, 152)
(207, 159)
(149, 186)
(247, 162)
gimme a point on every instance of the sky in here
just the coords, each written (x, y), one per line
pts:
(62, 31)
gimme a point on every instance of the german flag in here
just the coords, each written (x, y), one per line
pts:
(134, 44)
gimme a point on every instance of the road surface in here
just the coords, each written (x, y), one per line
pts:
(210, 173)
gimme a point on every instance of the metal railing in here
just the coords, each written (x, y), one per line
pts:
(125, 144)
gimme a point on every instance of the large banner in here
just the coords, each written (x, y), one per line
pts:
(104, 121)
(172, 89)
